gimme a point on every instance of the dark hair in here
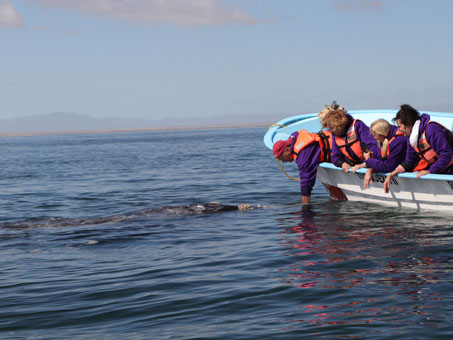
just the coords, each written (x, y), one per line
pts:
(407, 115)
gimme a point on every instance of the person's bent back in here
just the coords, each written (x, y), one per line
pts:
(351, 137)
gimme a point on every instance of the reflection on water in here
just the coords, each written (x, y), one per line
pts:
(366, 273)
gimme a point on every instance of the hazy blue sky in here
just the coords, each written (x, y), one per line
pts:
(174, 58)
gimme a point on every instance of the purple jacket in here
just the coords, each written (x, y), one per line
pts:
(397, 153)
(307, 161)
(363, 135)
(437, 137)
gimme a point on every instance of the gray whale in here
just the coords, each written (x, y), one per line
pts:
(191, 209)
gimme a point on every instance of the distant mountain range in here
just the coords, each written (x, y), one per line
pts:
(72, 122)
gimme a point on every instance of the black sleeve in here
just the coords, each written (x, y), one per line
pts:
(407, 166)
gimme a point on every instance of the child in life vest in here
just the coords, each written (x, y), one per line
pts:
(429, 146)
(393, 150)
(350, 138)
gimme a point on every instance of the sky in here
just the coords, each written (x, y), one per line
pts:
(158, 59)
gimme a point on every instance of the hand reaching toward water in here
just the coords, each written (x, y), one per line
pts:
(368, 179)
(387, 181)
(398, 170)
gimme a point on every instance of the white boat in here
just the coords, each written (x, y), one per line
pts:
(429, 192)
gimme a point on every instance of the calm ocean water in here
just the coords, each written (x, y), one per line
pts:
(84, 256)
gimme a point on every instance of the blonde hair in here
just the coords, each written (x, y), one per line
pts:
(322, 116)
(325, 111)
(381, 127)
(336, 118)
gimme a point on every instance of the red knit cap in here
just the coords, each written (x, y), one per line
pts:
(280, 146)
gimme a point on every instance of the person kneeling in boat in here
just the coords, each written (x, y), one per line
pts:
(393, 150)
(429, 146)
(350, 138)
(308, 149)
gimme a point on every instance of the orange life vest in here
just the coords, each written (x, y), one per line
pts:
(305, 138)
(351, 142)
(326, 145)
(397, 133)
(426, 153)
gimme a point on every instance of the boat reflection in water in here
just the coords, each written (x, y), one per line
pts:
(356, 268)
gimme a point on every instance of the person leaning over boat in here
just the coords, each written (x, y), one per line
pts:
(325, 111)
(393, 150)
(308, 149)
(429, 146)
(350, 137)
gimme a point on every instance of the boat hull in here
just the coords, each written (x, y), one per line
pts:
(435, 193)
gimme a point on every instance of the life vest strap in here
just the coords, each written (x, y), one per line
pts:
(325, 145)
(348, 144)
(352, 159)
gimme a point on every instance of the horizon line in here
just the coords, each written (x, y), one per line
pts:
(90, 132)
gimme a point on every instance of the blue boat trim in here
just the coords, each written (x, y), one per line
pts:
(277, 132)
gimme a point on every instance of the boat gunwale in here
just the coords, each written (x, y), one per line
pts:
(437, 177)
(287, 122)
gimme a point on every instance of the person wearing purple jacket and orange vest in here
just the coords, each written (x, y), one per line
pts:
(308, 149)
(351, 137)
(429, 147)
(393, 150)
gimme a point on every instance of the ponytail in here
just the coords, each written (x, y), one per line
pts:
(381, 127)
(385, 146)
